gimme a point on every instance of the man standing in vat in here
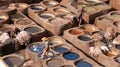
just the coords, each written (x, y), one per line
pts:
(47, 49)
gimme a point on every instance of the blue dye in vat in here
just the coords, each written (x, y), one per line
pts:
(45, 56)
(84, 38)
(61, 49)
(37, 48)
(71, 56)
(118, 47)
(83, 64)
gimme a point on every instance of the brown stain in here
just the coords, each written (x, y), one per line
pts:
(76, 31)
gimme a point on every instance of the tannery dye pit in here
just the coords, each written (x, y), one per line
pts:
(84, 38)
(83, 64)
(71, 56)
(59, 33)
(37, 7)
(32, 29)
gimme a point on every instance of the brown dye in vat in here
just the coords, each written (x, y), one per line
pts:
(75, 31)
(54, 63)
(23, 22)
(32, 29)
(11, 61)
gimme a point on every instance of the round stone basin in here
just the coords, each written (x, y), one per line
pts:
(23, 22)
(117, 24)
(54, 62)
(117, 59)
(21, 5)
(13, 60)
(37, 7)
(84, 38)
(32, 29)
(37, 47)
(105, 19)
(50, 3)
(89, 28)
(57, 21)
(83, 64)
(117, 46)
(61, 49)
(61, 10)
(55, 41)
(71, 56)
(115, 14)
(46, 15)
(90, 10)
(76, 31)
